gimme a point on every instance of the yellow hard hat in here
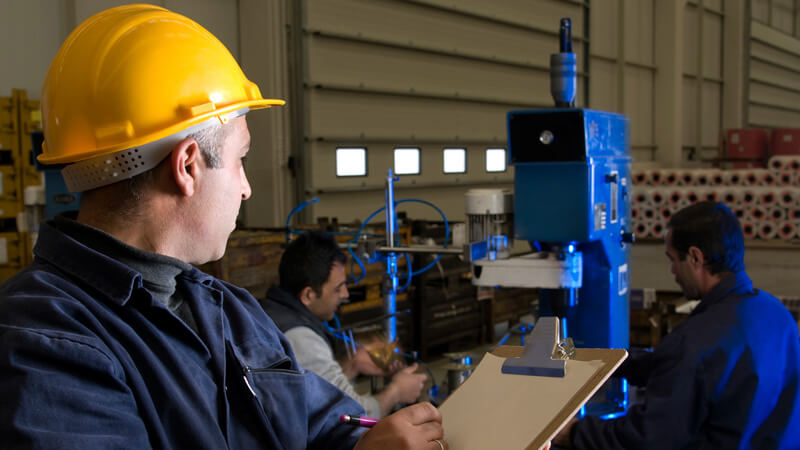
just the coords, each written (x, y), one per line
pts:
(133, 75)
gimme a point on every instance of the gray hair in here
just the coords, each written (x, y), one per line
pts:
(210, 141)
(126, 201)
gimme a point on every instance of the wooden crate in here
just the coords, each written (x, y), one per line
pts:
(13, 253)
(9, 130)
(10, 197)
(448, 315)
(652, 320)
(509, 304)
(30, 120)
(646, 327)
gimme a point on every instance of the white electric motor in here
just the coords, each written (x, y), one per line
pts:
(490, 219)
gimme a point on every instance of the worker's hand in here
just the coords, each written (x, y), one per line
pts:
(415, 427)
(395, 366)
(562, 437)
(364, 365)
(408, 384)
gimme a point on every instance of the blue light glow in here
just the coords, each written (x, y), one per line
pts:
(613, 415)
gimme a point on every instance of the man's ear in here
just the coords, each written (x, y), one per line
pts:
(307, 296)
(695, 257)
(184, 165)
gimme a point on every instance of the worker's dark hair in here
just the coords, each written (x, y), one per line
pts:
(712, 228)
(307, 261)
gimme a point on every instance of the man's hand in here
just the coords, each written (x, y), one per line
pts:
(405, 387)
(395, 366)
(360, 364)
(364, 365)
(415, 427)
(408, 384)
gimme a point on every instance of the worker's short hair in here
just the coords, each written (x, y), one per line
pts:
(307, 261)
(130, 192)
(712, 228)
(210, 141)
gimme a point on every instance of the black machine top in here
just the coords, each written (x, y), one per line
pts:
(565, 135)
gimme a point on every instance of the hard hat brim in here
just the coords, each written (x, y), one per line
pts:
(43, 158)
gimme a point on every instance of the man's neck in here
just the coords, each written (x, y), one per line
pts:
(710, 281)
(148, 231)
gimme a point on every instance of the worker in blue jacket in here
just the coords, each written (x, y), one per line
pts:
(111, 338)
(727, 377)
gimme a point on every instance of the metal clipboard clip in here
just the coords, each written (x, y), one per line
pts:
(544, 354)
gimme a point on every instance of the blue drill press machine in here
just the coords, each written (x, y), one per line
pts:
(571, 202)
(572, 196)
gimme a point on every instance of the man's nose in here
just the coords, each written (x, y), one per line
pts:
(247, 191)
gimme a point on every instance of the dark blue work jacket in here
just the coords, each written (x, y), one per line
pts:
(90, 359)
(727, 377)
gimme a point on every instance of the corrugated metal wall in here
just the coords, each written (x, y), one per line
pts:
(781, 15)
(773, 81)
(773, 84)
(702, 80)
(427, 74)
(32, 32)
(622, 67)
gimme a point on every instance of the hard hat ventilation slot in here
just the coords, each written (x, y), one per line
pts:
(111, 168)
(129, 161)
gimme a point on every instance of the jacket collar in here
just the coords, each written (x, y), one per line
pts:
(736, 284)
(112, 279)
(291, 302)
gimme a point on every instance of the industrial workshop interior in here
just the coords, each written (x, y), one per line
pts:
(529, 201)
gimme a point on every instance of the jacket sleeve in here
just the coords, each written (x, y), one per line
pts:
(674, 407)
(637, 367)
(313, 353)
(62, 391)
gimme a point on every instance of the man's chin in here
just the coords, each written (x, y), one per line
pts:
(689, 295)
(216, 256)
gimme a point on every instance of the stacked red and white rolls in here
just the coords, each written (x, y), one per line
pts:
(767, 201)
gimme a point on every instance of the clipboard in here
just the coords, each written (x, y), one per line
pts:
(496, 410)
